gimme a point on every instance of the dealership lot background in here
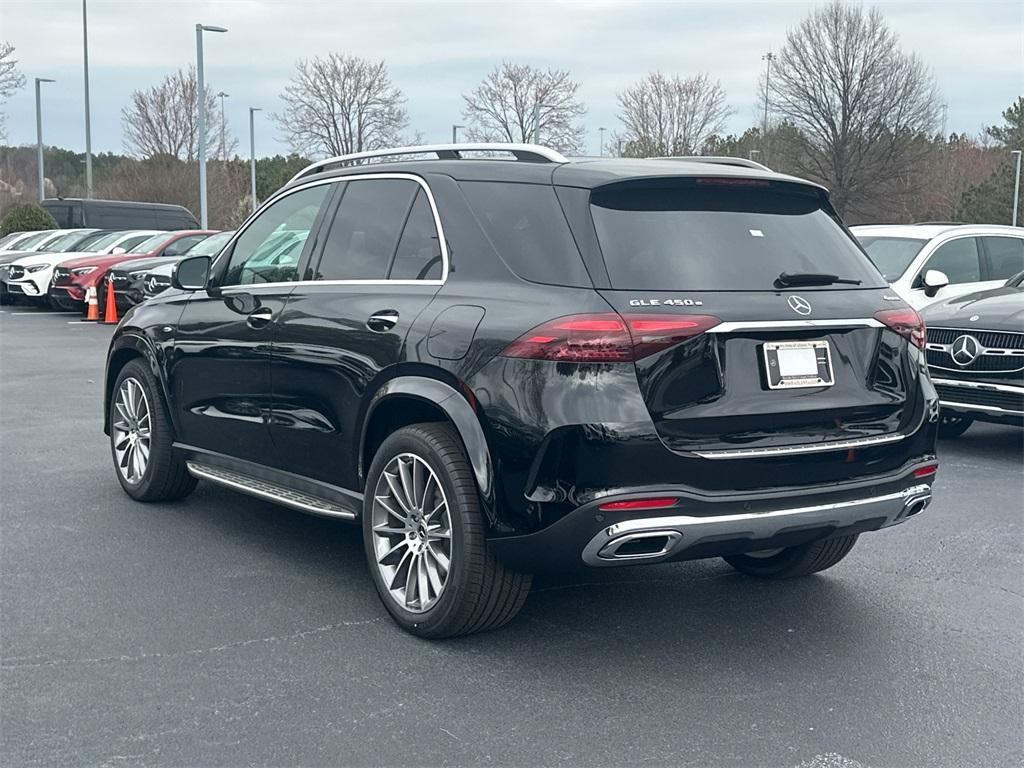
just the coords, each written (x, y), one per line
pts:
(226, 631)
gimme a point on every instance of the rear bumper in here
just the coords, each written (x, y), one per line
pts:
(699, 527)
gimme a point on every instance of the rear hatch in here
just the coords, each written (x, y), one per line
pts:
(779, 370)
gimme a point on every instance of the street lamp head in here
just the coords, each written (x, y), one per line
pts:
(210, 28)
(223, 95)
(45, 80)
(255, 109)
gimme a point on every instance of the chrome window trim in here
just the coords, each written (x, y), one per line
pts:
(760, 325)
(791, 450)
(979, 385)
(281, 194)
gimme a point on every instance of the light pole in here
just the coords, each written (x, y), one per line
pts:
(601, 148)
(201, 94)
(223, 146)
(768, 57)
(39, 135)
(1016, 186)
(252, 154)
(88, 129)
(455, 133)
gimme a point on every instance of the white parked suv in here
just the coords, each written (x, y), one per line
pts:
(30, 275)
(926, 263)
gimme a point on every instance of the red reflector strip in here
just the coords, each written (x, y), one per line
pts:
(612, 506)
(926, 471)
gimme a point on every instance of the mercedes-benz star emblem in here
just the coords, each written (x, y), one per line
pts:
(965, 348)
(799, 304)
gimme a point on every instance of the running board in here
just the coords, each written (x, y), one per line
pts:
(263, 489)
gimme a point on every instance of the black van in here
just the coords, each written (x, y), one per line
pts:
(119, 214)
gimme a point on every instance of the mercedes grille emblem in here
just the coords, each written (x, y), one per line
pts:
(799, 304)
(965, 348)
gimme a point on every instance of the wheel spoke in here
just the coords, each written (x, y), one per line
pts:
(431, 567)
(383, 501)
(421, 580)
(405, 473)
(442, 559)
(384, 530)
(403, 543)
(398, 569)
(396, 492)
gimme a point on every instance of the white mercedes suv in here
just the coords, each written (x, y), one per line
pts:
(926, 263)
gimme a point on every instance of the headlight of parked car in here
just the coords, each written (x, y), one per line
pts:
(35, 267)
(82, 270)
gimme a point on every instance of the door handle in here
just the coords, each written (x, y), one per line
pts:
(383, 321)
(259, 318)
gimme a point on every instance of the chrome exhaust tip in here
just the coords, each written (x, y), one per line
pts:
(641, 545)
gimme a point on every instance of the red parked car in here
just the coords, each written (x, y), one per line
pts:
(71, 279)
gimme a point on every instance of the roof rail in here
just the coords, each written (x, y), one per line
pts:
(740, 162)
(528, 153)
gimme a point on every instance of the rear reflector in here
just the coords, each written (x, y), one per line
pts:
(906, 322)
(613, 506)
(607, 337)
(926, 471)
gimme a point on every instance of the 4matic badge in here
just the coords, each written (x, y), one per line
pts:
(666, 303)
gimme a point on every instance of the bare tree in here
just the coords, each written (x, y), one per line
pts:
(164, 120)
(10, 79)
(518, 103)
(670, 116)
(861, 106)
(341, 104)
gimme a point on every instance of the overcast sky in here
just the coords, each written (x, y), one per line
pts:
(437, 51)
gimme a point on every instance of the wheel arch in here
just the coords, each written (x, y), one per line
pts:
(409, 400)
(123, 350)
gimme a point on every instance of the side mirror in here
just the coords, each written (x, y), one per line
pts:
(191, 274)
(118, 251)
(934, 279)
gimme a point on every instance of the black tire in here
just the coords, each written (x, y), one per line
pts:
(794, 561)
(480, 593)
(165, 477)
(953, 425)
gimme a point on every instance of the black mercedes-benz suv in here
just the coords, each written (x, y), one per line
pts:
(498, 360)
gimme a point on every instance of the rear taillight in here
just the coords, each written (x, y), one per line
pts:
(906, 322)
(607, 337)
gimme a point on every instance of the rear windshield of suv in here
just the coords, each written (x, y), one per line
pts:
(718, 236)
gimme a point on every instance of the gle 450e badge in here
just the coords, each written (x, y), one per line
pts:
(666, 303)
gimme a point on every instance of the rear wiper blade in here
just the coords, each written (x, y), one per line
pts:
(792, 279)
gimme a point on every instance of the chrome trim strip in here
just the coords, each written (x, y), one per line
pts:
(760, 325)
(205, 473)
(895, 507)
(442, 240)
(790, 450)
(525, 152)
(970, 331)
(983, 408)
(979, 385)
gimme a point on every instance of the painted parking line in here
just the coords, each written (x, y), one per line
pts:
(35, 314)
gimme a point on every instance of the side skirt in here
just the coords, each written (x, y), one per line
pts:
(284, 488)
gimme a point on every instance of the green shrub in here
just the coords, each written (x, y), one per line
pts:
(27, 217)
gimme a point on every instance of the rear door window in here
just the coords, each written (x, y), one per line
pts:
(958, 259)
(1005, 257)
(419, 249)
(526, 226)
(364, 234)
(892, 255)
(713, 235)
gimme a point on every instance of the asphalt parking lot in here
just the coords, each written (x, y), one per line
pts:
(225, 631)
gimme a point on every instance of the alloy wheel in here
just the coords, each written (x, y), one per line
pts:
(412, 533)
(130, 431)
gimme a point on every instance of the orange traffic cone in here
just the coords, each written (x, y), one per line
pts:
(110, 315)
(94, 306)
